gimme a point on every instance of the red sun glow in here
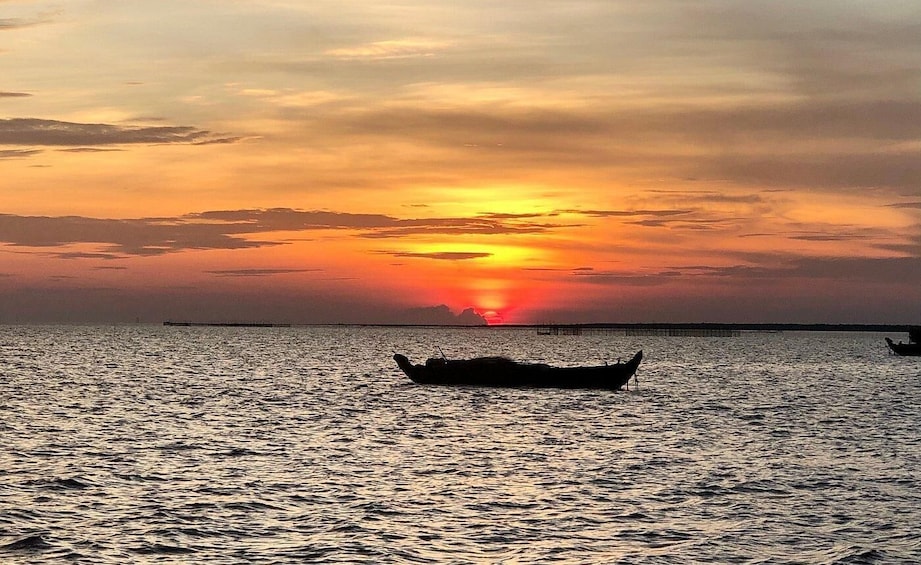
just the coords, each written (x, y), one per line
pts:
(492, 317)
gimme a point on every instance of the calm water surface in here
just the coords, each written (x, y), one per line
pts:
(145, 444)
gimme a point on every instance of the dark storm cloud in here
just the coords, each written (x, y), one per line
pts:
(34, 131)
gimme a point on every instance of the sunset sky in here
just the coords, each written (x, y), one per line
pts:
(367, 161)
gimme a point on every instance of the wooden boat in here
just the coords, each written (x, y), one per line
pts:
(503, 372)
(910, 349)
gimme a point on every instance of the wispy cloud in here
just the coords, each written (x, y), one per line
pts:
(88, 150)
(35, 131)
(8, 24)
(226, 229)
(18, 153)
(390, 49)
(14, 94)
(881, 270)
(443, 255)
(629, 213)
(258, 272)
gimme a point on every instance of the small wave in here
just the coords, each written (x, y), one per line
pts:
(239, 452)
(32, 543)
(761, 487)
(860, 556)
(250, 506)
(140, 478)
(71, 484)
(178, 446)
(633, 517)
(60, 484)
(219, 491)
(162, 549)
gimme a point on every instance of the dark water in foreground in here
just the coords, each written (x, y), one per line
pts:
(272, 445)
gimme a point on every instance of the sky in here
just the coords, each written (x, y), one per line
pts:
(439, 161)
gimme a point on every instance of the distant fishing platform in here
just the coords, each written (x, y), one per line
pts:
(704, 329)
(637, 330)
(227, 324)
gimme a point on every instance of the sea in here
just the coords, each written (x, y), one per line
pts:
(152, 444)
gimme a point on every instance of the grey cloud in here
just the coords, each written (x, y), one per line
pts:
(19, 23)
(845, 170)
(444, 255)
(150, 236)
(899, 270)
(85, 255)
(257, 272)
(18, 153)
(441, 315)
(458, 226)
(628, 213)
(373, 225)
(228, 229)
(888, 271)
(822, 49)
(625, 278)
(708, 197)
(289, 219)
(854, 140)
(219, 141)
(509, 216)
(34, 131)
(88, 150)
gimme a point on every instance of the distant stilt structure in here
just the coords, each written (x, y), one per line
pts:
(636, 330)
(556, 329)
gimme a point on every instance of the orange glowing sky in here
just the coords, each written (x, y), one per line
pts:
(368, 162)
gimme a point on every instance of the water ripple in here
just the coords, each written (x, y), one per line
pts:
(272, 445)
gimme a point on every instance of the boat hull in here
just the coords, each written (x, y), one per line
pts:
(904, 349)
(501, 372)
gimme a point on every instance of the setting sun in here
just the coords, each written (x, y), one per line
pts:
(329, 173)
